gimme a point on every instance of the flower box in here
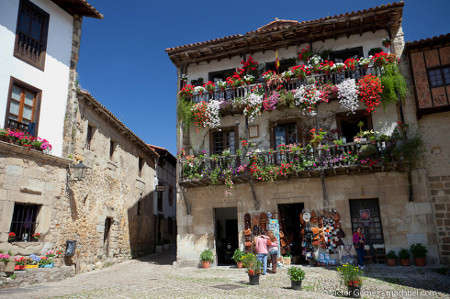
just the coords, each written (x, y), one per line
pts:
(47, 265)
(32, 266)
(19, 268)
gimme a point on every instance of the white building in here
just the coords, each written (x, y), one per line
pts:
(40, 42)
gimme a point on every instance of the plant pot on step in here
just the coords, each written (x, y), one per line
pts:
(240, 264)
(206, 264)
(354, 292)
(390, 262)
(404, 262)
(254, 279)
(419, 261)
(296, 285)
(19, 268)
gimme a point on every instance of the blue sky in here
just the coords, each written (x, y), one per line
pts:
(124, 65)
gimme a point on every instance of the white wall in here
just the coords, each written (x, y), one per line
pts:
(166, 175)
(53, 81)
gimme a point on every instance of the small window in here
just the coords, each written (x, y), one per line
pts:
(220, 75)
(286, 134)
(141, 166)
(160, 201)
(23, 107)
(343, 55)
(31, 34)
(170, 197)
(89, 135)
(285, 64)
(112, 148)
(439, 76)
(226, 139)
(23, 223)
(347, 125)
(139, 208)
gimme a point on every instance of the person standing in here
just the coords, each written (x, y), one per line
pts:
(261, 250)
(272, 246)
(358, 242)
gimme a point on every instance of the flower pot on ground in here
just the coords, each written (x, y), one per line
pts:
(206, 257)
(352, 279)
(391, 258)
(237, 257)
(19, 268)
(253, 267)
(404, 256)
(420, 253)
(6, 263)
(20, 263)
(31, 266)
(254, 279)
(354, 292)
(297, 275)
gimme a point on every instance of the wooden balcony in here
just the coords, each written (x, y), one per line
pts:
(291, 84)
(306, 162)
(15, 125)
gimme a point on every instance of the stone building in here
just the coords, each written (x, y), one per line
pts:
(109, 212)
(430, 73)
(164, 207)
(394, 196)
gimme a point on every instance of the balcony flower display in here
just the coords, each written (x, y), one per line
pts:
(235, 80)
(338, 67)
(199, 89)
(36, 236)
(301, 71)
(306, 99)
(364, 62)
(351, 63)
(315, 63)
(209, 86)
(249, 79)
(386, 42)
(348, 95)
(271, 101)
(250, 66)
(253, 106)
(268, 75)
(327, 66)
(383, 58)
(305, 54)
(206, 114)
(11, 237)
(183, 78)
(222, 85)
(369, 91)
(287, 75)
(186, 92)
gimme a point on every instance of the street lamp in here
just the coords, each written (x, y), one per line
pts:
(79, 170)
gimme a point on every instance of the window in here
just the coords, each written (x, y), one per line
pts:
(160, 201)
(112, 148)
(285, 134)
(285, 64)
(141, 166)
(439, 76)
(139, 208)
(31, 34)
(227, 138)
(23, 107)
(170, 197)
(220, 75)
(347, 125)
(89, 135)
(23, 223)
(343, 55)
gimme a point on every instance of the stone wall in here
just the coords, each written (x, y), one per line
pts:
(440, 195)
(403, 222)
(35, 276)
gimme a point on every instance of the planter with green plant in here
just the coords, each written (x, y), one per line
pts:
(207, 257)
(253, 267)
(404, 256)
(391, 258)
(297, 275)
(420, 253)
(351, 276)
(237, 257)
(6, 264)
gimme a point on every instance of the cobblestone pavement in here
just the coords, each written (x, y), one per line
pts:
(155, 277)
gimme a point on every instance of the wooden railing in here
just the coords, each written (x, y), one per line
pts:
(291, 84)
(17, 125)
(309, 158)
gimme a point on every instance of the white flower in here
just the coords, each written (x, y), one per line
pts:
(315, 60)
(221, 83)
(199, 89)
(348, 94)
(253, 103)
(212, 112)
(286, 74)
(249, 78)
(306, 97)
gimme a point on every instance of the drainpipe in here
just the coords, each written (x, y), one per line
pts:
(250, 179)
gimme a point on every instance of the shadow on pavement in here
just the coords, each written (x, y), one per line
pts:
(163, 258)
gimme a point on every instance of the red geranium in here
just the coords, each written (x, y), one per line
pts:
(369, 90)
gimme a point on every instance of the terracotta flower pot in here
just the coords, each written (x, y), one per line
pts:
(419, 261)
(391, 262)
(206, 264)
(240, 264)
(404, 262)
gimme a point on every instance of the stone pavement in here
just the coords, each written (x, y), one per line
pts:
(155, 277)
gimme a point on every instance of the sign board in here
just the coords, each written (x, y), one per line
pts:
(160, 188)
(275, 227)
(364, 215)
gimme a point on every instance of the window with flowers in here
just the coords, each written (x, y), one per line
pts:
(285, 64)
(225, 139)
(220, 75)
(285, 132)
(343, 55)
(23, 223)
(347, 124)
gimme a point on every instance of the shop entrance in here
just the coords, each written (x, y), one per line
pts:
(226, 232)
(289, 219)
(366, 213)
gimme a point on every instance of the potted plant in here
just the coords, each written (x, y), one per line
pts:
(352, 279)
(11, 237)
(20, 263)
(297, 275)
(207, 257)
(31, 263)
(46, 262)
(58, 260)
(404, 256)
(36, 237)
(391, 258)
(253, 267)
(420, 253)
(5, 263)
(386, 42)
(237, 257)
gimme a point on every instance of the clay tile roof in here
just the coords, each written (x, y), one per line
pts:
(134, 138)
(272, 26)
(440, 38)
(80, 7)
(163, 152)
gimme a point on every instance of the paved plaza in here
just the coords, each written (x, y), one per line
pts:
(156, 277)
